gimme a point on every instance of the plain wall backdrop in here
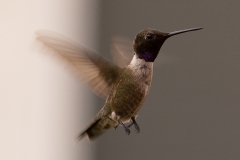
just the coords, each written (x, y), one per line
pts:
(42, 106)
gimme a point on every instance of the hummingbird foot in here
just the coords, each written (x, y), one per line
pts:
(125, 128)
(135, 124)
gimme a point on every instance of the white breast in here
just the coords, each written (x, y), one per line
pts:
(143, 71)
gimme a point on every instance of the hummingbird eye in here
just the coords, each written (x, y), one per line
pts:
(149, 36)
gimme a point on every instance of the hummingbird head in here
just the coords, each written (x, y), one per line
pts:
(148, 42)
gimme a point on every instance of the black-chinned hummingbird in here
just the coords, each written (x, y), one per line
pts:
(126, 88)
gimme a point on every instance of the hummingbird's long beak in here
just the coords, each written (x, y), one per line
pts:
(182, 31)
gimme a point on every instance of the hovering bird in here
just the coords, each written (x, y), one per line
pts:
(125, 88)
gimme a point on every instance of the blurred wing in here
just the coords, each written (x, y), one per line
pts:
(122, 51)
(99, 73)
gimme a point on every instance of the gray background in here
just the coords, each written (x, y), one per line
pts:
(192, 111)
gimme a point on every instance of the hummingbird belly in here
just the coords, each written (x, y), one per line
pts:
(130, 91)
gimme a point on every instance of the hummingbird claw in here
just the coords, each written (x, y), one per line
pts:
(127, 131)
(135, 124)
(137, 128)
(125, 128)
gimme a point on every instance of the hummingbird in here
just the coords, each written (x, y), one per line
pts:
(125, 88)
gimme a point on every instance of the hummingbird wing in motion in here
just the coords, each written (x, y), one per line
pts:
(121, 50)
(99, 73)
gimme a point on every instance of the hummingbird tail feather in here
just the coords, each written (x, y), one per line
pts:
(93, 131)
